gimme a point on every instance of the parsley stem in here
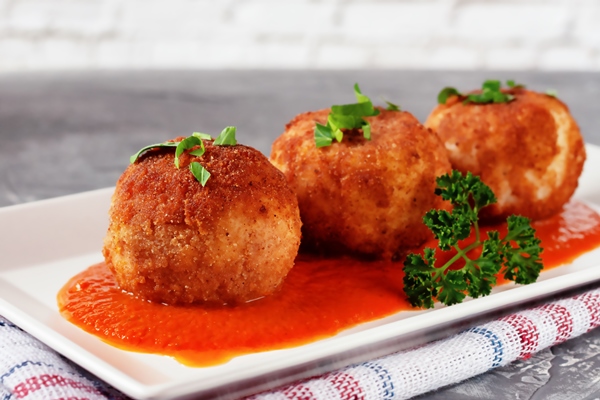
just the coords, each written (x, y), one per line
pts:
(459, 253)
(477, 236)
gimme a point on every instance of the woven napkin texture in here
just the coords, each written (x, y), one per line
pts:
(30, 370)
(469, 353)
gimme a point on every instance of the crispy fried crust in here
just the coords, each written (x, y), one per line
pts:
(171, 240)
(360, 196)
(529, 151)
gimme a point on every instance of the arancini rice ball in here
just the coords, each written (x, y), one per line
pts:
(364, 197)
(529, 151)
(174, 241)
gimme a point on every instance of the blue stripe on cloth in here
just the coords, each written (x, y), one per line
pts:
(24, 364)
(9, 324)
(494, 340)
(387, 385)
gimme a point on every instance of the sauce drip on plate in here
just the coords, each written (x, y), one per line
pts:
(319, 298)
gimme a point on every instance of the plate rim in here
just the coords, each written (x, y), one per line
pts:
(325, 348)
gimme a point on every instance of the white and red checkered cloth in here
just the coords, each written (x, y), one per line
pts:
(30, 370)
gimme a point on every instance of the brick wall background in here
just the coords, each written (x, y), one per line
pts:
(420, 34)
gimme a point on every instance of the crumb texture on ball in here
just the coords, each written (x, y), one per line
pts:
(171, 240)
(365, 197)
(529, 151)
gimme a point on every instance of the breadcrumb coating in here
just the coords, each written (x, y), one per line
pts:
(171, 240)
(359, 196)
(529, 151)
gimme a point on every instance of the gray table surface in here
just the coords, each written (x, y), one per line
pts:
(63, 133)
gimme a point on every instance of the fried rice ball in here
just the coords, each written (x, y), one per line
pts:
(359, 196)
(529, 150)
(173, 241)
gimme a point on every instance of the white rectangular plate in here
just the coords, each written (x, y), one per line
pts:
(43, 244)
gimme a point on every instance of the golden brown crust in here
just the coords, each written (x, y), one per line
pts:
(365, 197)
(173, 241)
(529, 151)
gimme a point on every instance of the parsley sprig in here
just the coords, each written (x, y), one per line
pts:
(491, 92)
(516, 255)
(225, 138)
(347, 116)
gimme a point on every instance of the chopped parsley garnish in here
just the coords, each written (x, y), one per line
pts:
(347, 116)
(201, 135)
(137, 155)
(392, 107)
(491, 92)
(186, 144)
(200, 173)
(445, 93)
(225, 138)
(516, 255)
(552, 92)
(511, 84)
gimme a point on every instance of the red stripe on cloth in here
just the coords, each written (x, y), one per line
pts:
(592, 303)
(562, 320)
(299, 392)
(73, 398)
(35, 383)
(528, 333)
(347, 386)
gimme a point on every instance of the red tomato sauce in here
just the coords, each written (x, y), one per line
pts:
(319, 298)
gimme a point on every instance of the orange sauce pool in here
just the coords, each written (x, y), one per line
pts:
(319, 298)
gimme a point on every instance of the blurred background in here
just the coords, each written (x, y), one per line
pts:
(86, 83)
(299, 34)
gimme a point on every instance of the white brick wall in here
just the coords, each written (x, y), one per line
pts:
(418, 34)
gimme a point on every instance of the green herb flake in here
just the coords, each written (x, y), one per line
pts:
(137, 155)
(445, 93)
(511, 84)
(346, 116)
(392, 107)
(226, 137)
(200, 173)
(491, 92)
(201, 135)
(187, 144)
(516, 255)
(323, 135)
(552, 92)
(199, 152)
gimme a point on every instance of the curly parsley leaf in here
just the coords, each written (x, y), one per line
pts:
(523, 262)
(346, 116)
(449, 228)
(552, 92)
(516, 255)
(452, 287)
(458, 189)
(419, 284)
